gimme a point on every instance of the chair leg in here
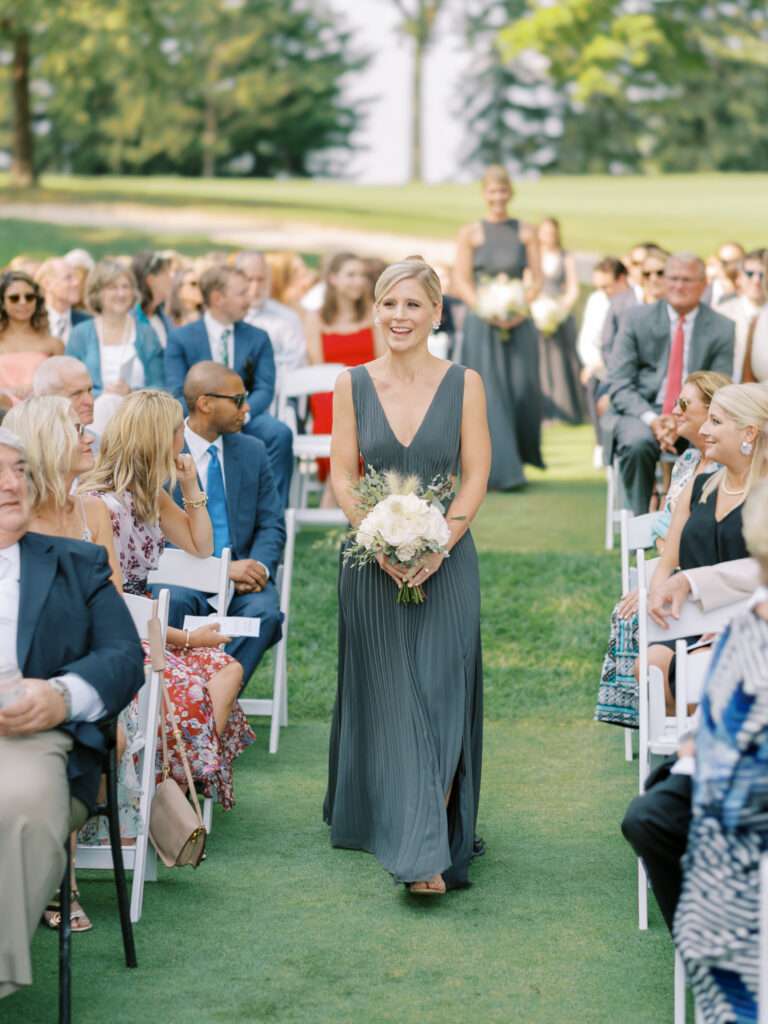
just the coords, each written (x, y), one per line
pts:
(628, 751)
(609, 503)
(679, 1009)
(65, 942)
(642, 897)
(123, 902)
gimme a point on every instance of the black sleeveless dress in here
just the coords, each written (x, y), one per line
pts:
(508, 362)
(407, 724)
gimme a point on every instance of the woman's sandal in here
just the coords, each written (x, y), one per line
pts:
(79, 920)
(433, 887)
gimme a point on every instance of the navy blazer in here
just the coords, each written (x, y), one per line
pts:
(256, 520)
(71, 619)
(254, 361)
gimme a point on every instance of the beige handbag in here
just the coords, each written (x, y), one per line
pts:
(175, 824)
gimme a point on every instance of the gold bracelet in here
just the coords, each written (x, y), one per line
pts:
(200, 502)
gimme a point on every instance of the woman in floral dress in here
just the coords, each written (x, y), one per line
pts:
(139, 453)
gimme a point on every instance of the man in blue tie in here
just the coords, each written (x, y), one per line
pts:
(245, 511)
(222, 335)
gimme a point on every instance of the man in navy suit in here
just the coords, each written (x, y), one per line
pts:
(222, 336)
(245, 511)
(79, 661)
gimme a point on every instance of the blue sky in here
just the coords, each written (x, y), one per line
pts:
(387, 80)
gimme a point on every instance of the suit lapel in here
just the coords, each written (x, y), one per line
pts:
(698, 340)
(232, 479)
(205, 342)
(38, 568)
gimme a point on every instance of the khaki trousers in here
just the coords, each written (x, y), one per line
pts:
(34, 822)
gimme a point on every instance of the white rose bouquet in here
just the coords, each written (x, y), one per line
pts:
(500, 298)
(403, 521)
(547, 314)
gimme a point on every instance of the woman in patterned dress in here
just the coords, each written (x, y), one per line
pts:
(717, 924)
(140, 451)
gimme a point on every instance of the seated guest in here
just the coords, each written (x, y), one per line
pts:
(282, 324)
(706, 522)
(140, 451)
(245, 510)
(723, 286)
(154, 272)
(659, 346)
(25, 341)
(612, 284)
(223, 335)
(617, 700)
(743, 308)
(634, 264)
(292, 281)
(83, 263)
(185, 302)
(657, 822)
(120, 354)
(653, 273)
(60, 283)
(68, 378)
(81, 662)
(717, 924)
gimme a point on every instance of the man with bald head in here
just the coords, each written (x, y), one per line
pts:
(283, 326)
(69, 378)
(659, 346)
(60, 283)
(245, 510)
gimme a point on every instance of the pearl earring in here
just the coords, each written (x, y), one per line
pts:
(435, 327)
(746, 447)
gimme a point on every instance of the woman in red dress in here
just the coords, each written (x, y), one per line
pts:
(341, 331)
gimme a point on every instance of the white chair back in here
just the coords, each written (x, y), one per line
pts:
(636, 536)
(140, 856)
(210, 575)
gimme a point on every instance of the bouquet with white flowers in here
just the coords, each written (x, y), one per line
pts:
(403, 521)
(500, 298)
(547, 314)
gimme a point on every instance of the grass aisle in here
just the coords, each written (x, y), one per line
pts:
(277, 926)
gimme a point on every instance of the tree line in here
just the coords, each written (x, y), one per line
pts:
(259, 86)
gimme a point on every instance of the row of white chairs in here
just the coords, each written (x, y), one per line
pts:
(659, 733)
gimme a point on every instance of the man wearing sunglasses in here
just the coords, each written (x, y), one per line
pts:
(659, 345)
(745, 306)
(222, 335)
(245, 510)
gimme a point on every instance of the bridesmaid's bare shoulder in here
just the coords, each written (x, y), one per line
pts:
(471, 234)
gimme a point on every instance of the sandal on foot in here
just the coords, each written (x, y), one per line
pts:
(433, 887)
(78, 919)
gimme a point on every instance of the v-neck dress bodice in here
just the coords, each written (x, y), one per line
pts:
(407, 725)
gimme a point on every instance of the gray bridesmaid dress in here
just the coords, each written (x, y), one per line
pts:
(508, 362)
(407, 725)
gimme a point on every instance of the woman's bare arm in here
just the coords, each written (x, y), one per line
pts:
(191, 531)
(475, 458)
(534, 278)
(571, 294)
(313, 330)
(463, 269)
(345, 454)
(100, 525)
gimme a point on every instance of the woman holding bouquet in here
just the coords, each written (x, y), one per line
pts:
(503, 349)
(406, 739)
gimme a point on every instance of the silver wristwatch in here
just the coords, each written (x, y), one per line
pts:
(61, 687)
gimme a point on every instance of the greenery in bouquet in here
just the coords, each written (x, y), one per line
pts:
(403, 520)
(547, 314)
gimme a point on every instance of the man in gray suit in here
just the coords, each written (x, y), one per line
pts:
(660, 345)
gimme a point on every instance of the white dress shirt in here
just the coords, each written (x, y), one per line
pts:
(198, 449)
(87, 705)
(674, 316)
(285, 331)
(590, 336)
(215, 331)
(59, 324)
(742, 311)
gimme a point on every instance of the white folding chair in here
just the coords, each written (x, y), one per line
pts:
(177, 568)
(307, 448)
(636, 537)
(658, 733)
(615, 502)
(276, 707)
(140, 857)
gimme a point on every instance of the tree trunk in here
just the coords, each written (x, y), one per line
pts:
(23, 156)
(417, 106)
(210, 137)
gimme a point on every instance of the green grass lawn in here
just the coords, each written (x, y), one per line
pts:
(598, 213)
(277, 926)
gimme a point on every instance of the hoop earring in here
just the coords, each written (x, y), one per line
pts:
(746, 447)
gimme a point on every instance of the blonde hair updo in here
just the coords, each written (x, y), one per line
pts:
(412, 269)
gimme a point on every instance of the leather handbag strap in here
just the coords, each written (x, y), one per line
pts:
(180, 746)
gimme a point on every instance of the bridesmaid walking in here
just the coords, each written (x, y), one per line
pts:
(406, 737)
(504, 353)
(560, 368)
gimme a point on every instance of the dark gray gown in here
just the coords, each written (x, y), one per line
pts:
(563, 392)
(408, 716)
(509, 365)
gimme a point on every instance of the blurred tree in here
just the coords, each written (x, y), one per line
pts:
(512, 112)
(419, 18)
(654, 85)
(190, 86)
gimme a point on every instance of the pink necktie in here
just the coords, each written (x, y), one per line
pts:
(675, 368)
